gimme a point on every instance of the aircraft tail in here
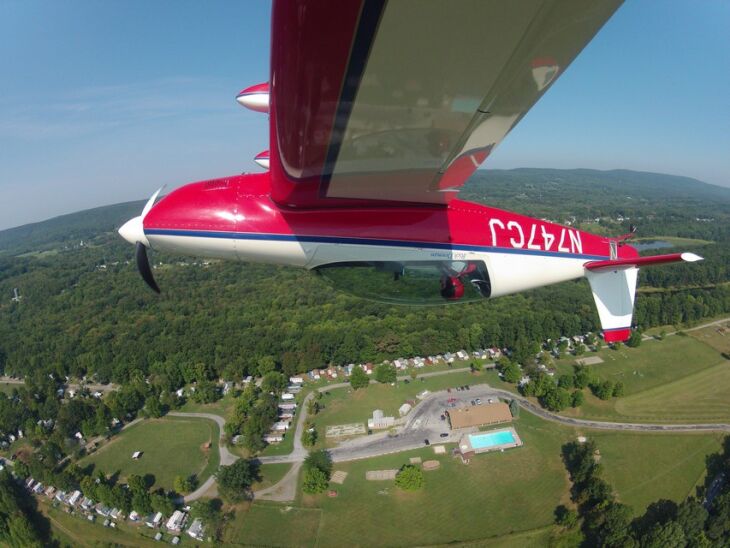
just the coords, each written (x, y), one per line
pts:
(614, 291)
(613, 283)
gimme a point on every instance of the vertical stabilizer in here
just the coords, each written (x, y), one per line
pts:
(614, 291)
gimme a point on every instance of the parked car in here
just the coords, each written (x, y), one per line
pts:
(444, 435)
(443, 417)
(473, 402)
(426, 442)
(479, 402)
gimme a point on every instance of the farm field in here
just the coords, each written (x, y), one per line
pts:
(678, 379)
(170, 447)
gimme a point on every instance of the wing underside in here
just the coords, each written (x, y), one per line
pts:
(400, 101)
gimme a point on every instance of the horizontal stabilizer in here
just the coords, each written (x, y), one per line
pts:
(614, 291)
(643, 261)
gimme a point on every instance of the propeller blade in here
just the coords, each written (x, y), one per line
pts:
(150, 203)
(143, 265)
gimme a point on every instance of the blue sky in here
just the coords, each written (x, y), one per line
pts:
(102, 102)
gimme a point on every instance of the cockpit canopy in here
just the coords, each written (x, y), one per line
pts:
(411, 282)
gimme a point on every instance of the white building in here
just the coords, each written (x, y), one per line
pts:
(74, 498)
(153, 521)
(176, 521)
(287, 396)
(380, 421)
(196, 529)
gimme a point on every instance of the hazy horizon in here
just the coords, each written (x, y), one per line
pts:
(107, 103)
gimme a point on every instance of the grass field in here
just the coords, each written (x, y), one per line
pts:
(271, 474)
(496, 494)
(272, 525)
(8, 387)
(502, 499)
(678, 379)
(170, 447)
(645, 467)
(716, 336)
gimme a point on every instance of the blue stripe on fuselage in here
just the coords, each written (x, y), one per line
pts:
(362, 241)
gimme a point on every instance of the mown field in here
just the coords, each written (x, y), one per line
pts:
(170, 447)
(678, 379)
(270, 475)
(646, 467)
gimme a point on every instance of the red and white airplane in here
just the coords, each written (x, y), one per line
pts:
(379, 112)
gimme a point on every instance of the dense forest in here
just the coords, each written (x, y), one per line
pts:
(84, 310)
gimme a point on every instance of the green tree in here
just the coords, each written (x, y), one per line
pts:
(358, 378)
(409, 478)
(309, 436)
(603, 390)
(314, 481)
(320, 459)
(577, 399)
(566, 517)
(185, 484)
(385, 373)
(556, 399)
(635, 339)
(514, 408)
(512, 373)
(565, 381)
(266, 365)
(209, 511)
(618, 389)
(153, 407)
(274, 382)
(162, 503)
(583, 376)
(206, 392)
(665, 535)
(234, 481)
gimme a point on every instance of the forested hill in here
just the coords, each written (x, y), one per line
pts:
(85, 310)
(67, 229)
(542, 192)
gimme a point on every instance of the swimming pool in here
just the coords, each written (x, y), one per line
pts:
(490, 439)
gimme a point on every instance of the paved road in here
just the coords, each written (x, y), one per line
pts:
(226, 457)
(423, 423)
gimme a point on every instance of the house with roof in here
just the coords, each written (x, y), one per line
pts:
(153, 521)
(75, 497)
(176, 521)
(197, 529)
(273, 437)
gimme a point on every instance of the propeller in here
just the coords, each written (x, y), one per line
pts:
(133, 232)
(143, 265)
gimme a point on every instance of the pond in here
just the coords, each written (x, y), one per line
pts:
(651, 244)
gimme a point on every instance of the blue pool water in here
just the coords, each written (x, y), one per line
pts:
(490, 439)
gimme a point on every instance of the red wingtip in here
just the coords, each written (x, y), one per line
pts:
(617, 335)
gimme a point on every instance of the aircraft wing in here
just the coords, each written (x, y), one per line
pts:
(400, 101)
